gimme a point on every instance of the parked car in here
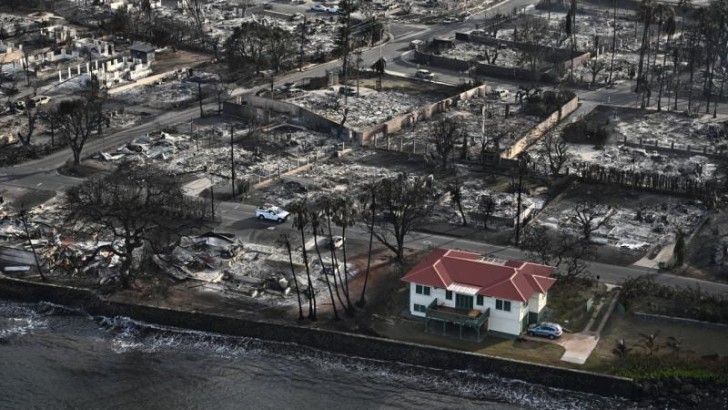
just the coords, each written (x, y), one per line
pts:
(319, 7)
(41, 99)
(415, 44)
(424, 74)
(350, 91)
(546, 329)
(449, 20)
(336, 242)
(501, 93)
(271, 213)
(333, 10)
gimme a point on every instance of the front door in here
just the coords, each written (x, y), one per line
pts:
(463, 302)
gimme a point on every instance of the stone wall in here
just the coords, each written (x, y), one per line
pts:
(326, 340)
(369, 136)
(511, 73)
(542, 128)
(263, 108)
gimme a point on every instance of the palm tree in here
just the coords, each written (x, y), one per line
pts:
(645, 15)
(286, 241)
(301, 221)
(315, 217)
(669, 23)
(614, 41)
(649, 342)
(372, 191)
(328, 212)
(661, 14)
(345, 216)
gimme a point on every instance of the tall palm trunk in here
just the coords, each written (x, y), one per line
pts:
(335, 262)
(328, 282)
(362, 299)
(691, 65)
(295, 281)
(312, 295)
(676, 65)
(651, 70)
(654, 60)
(614, 42)
(349, 306)
(662, 75)
(640, 88)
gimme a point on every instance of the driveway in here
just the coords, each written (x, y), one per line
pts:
(577, 346)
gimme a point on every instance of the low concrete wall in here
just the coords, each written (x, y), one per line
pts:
(553, 55)
(680, 320)
(262, 108)
(511, 73)
(542, 128)
(368, 135)
(326, 340)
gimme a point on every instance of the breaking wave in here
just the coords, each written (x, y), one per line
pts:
(128, 335)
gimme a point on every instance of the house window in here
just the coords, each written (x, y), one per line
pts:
(448, 295)
(479, 300)
(504, 305)
(422, 290)
(418, 289)
(420, 308)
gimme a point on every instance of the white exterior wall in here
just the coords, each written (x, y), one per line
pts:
(505, 322)
(499, 320)
(420, 299)
(537, 302)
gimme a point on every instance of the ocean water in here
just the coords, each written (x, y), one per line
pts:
(52, 357)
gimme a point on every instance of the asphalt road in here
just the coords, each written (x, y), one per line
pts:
(239, 218)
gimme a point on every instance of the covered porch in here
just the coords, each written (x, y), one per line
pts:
(471, 318)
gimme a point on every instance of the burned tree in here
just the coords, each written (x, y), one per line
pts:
(563, 250)
(486, 207)
(131, 208)
(444, 134)
(402, 203)
(456, 194)
(30, 115)
(556, 151)
(77, 119)
(590, 217)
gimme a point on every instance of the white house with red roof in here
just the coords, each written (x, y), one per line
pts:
(469, 290)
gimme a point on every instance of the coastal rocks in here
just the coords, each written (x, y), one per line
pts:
(676, 393)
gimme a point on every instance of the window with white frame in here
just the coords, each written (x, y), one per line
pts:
(422, 290)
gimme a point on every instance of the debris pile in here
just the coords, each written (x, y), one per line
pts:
(364, 110)
(635, 224)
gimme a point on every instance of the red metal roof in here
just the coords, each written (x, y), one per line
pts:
(514, 280)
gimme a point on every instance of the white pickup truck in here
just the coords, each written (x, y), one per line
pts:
(271, 213)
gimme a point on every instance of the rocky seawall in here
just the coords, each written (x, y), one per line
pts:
(327, 340)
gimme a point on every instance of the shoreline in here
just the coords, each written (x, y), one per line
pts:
(333, 341)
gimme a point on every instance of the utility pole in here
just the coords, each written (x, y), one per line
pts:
(303, 40)
(199, 97)
(232, 157)
(212, 193)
